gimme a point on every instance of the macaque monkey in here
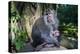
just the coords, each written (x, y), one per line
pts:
(45, 29)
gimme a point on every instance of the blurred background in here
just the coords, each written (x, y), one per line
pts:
(22, 16)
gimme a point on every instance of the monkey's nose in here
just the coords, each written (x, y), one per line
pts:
(49, 17)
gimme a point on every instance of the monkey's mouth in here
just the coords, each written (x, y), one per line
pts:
(49, 19)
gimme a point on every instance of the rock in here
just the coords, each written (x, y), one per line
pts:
(29, 48)
(53, 48)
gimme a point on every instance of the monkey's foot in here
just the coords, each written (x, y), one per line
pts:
(48, 45)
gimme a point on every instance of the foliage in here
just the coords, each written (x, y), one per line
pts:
(68, 18)
(20, 39)
(20, 35)
(67, 15)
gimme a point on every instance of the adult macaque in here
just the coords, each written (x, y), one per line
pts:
(43, 29)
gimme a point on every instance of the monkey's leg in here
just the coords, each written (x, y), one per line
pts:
(56, 42)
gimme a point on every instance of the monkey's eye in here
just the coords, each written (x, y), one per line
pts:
(46, 13)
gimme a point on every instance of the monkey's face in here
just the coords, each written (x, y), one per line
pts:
(50, 17)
